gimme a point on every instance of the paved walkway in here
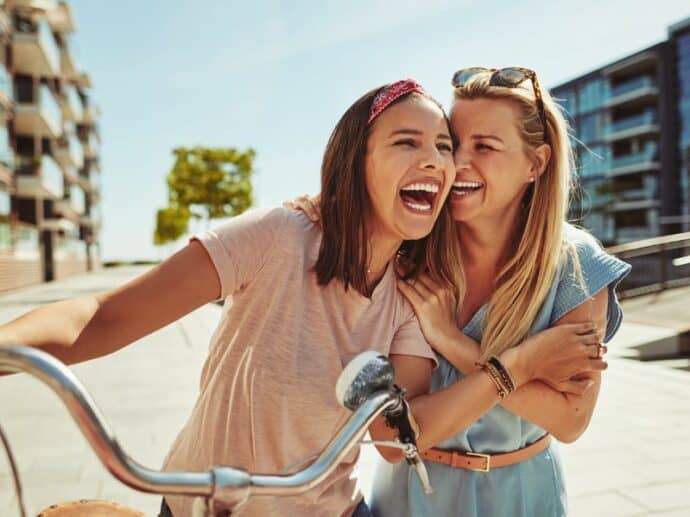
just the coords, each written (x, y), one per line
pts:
(633, 460)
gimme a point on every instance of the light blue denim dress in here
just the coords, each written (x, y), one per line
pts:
(535, 487)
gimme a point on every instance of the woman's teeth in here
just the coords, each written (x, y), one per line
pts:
(426, 206)
(419, 196)
(425, 187)
(462, 188)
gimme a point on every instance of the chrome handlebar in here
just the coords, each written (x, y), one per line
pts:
(226, 485)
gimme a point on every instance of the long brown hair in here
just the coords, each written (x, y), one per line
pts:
(345, 207)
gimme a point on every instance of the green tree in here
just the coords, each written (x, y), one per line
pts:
(204, 183)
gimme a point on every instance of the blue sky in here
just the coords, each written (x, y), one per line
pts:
(277, 75)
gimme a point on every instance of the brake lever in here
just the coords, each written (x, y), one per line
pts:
(415, 461)
(400, 418)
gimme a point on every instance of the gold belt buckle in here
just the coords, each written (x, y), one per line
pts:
(487, 457)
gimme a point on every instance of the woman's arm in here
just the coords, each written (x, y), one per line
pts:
(565, 415)
(554, 355)
(564, 409)
(84, 328)
(437, 414)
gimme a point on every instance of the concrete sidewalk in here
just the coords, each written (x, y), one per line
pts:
(632, 460)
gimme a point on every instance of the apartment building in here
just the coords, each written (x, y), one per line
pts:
(49, 148)
(632, 120)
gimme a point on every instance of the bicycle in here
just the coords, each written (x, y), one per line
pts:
(365, 387)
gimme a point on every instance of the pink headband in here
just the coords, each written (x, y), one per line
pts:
(391, 92)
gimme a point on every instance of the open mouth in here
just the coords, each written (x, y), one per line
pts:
(463, 188)
(420, 197)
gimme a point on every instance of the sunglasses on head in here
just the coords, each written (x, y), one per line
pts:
(510, 77)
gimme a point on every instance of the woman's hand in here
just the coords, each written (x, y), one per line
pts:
(435, 307)
(561, 356)
(308, 205)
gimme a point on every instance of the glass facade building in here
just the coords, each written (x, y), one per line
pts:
(683, 67)
(631, 120)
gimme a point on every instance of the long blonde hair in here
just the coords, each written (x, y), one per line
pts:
(525, 280)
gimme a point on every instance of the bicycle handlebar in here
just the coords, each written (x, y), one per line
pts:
(223, 484)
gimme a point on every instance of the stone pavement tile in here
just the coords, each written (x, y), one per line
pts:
(606, 504)
(7, 494)
(657, 472)
(662, 496)
(631, 335)
(679, 512)
(602, 478)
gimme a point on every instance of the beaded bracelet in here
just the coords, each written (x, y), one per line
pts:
(503, 371)
(499, 375)
(496, 379)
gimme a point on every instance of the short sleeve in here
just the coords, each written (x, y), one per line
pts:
(239, 248)
(598, 270)
(409, 339)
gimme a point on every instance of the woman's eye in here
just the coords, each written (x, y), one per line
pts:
(408, 142)
(445, 148)
(483, 147)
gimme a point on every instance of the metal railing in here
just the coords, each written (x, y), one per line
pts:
(630, 86)
(657, 264)
(647, 117)
(641, 157)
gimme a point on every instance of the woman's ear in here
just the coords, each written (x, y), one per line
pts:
(542, 158)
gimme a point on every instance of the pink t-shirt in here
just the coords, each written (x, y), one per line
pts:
(267, 396)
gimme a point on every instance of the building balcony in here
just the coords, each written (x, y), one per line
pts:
(20, 239)
(42, 180)
(72, 206)
(90, 115)
(88, 220)
(89, 182)
(59, 224)
(6, 156)
(5, 24)
(70, 154)
(35, 5)
(633, 163)
(638, 125)
(91, 217)
(61, 18)
(83, 80)
(65, 208)
(35, 51)
(635, 64)
(6, 94)
(58, 14)
(90, 144)
(71, 105)
(637, 204)
(634, 233)
(67, 65)
(39, 117)
(635, 91)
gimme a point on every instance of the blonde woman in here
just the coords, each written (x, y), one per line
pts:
(526, 270)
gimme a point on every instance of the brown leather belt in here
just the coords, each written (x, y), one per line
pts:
(485, 462)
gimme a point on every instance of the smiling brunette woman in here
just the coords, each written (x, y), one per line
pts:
(304, 301)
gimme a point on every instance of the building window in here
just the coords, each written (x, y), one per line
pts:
(593, 95)
(683, 67)
(591, 128)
